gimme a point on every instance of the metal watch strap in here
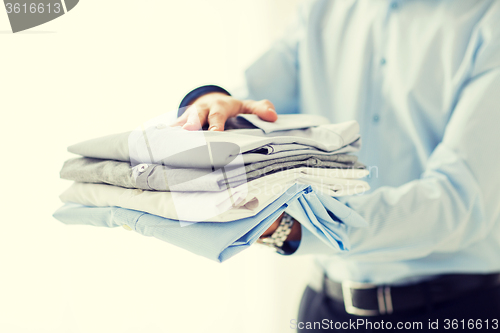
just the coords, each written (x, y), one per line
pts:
(280, 235)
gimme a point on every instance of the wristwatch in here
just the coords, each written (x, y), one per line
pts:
(279, 236)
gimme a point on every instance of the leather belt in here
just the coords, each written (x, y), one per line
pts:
(366, 299)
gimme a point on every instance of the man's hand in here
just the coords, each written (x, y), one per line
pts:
(215, 108)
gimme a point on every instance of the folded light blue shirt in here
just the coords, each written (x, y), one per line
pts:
(422, 78)
(220, 241)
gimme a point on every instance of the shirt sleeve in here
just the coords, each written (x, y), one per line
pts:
(274, 75)
(454, 204)
(198, 92)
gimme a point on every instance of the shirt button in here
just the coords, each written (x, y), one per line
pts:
(383, 61)
(142, 167)
(394, 5)
(376, 118)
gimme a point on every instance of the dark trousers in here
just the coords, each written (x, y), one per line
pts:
(478, 311)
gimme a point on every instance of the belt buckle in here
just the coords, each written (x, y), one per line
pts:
(383, 297)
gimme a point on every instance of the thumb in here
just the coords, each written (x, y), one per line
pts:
(264, 109)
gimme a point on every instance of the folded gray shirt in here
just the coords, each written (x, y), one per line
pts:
(164, 178)
(257, 141)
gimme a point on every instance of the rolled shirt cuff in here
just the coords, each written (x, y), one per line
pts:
(200, 91)
(324, 222)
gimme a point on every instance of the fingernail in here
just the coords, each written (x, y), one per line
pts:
(271, 109)
(213, 128)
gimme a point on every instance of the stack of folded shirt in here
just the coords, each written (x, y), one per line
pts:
(179, 185)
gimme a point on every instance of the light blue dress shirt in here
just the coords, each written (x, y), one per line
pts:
(220, 241)
(422, 78)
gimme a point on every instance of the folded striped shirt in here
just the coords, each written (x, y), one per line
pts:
(224, 206)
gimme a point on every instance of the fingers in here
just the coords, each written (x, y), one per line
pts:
(264, 109)
(181, 120)
(219, 112)
(196, 117)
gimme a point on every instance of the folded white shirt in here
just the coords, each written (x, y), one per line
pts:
(235, 203)
(291, 135)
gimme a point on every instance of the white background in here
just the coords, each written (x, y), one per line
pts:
(103, 68)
